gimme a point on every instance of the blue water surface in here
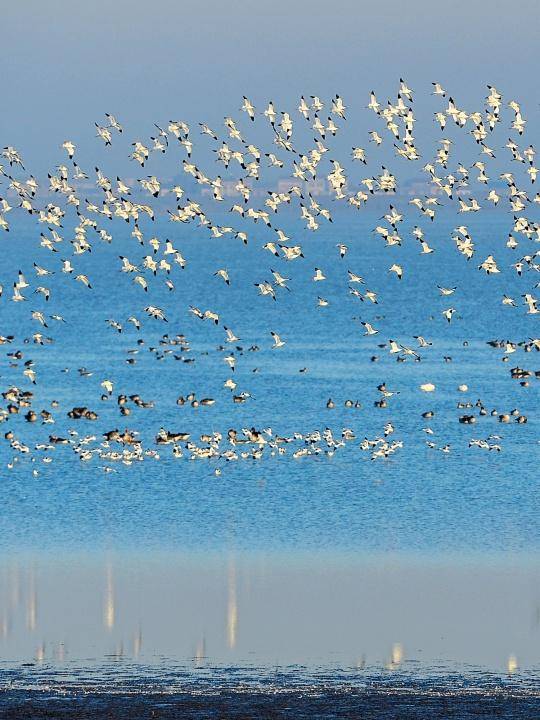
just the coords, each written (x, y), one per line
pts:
(418, 500)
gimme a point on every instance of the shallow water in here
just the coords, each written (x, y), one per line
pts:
(365, 611)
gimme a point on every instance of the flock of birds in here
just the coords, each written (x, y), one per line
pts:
(452, 183)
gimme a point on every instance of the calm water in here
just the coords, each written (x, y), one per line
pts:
(420, 565)
(371, 612)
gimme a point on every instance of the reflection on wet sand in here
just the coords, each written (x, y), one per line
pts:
(387, 612)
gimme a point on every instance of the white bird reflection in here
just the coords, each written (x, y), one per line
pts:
(200, 653)
(232, 607)
(40, 653)
(109, 599)
(396, 657)
(15, 585)
(31, 605)
(137, 643)
(512, 664)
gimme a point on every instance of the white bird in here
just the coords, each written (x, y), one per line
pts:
(224, 275)
(69, 147)
(248, 108)
(370, 330)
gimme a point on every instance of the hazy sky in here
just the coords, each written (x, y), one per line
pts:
(65, 63)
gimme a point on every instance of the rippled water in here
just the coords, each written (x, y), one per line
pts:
(172, 691)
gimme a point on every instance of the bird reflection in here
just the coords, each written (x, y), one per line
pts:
(396, 658)
(232, 608)
(40, 653)
(15, 588)
(118, 653)
(109, 599)
(200, 653)
(137, 643)
(31, 606)
(512, 664)
(4, 625)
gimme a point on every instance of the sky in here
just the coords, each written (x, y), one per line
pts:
(65, 64)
